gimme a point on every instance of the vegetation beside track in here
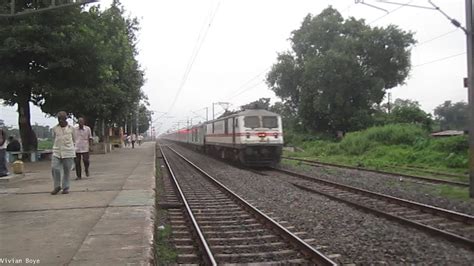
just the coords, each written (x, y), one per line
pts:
(401, 148)
(165, 253)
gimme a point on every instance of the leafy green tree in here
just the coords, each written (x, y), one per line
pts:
(452, 115)
(144, 118)
(408, 111)
(338, 70)
(80, 62)
(33, 49)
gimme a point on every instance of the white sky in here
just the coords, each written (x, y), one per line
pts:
(244, 38)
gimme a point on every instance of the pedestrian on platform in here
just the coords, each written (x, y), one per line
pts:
(83, 145)
(126, 140)
(134, 139)
(140, 140)
(63, 154)
(3, 153)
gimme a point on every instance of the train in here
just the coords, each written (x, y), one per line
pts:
(252, 137)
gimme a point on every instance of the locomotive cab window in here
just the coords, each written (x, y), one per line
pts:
(251, 121)
(270, 121)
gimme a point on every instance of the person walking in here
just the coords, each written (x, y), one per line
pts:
(3, 153)
(134, 139)
(83, 143)
(63, 154)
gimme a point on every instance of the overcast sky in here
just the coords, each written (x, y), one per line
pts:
(238, 42)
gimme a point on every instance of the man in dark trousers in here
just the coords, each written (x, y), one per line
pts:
(3, 153)
(83, 143)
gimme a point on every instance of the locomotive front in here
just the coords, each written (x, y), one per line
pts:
(260, 137)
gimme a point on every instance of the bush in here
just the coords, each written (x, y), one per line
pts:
(456, 144)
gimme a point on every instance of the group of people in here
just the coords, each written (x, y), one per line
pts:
(71, 146)
(132, 139)
(5, 146)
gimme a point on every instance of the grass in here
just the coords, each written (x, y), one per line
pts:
(394, 148)
(165, 253)
(45, 145)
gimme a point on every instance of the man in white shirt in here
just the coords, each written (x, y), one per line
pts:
(134, 138)
(63, 153)
(83, 143)
(3, 153)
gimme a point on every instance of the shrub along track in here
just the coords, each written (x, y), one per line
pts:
(457, 227)
(421, 178)
(226, 227)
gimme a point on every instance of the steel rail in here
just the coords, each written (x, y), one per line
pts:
(428, 179)
(461, 217)
(313, 254)
(207, 253)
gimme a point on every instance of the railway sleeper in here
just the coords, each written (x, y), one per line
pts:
(188, 258)
(243, 240)
(226, 222)
(232, 226)
(258, 256)
(202, 217)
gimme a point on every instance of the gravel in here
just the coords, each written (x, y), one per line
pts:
(391, 185)
(352, 236)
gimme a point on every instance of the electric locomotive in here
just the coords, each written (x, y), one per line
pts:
(252, 137)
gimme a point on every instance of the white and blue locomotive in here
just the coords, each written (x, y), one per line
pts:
(252, 137)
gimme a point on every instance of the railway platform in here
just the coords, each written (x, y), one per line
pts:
(106, 219)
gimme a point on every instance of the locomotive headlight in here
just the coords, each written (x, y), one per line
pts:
(276, 135)
(262, 134)
(248, 135)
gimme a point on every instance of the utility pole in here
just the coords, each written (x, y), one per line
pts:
(207, 111)
(470, 82)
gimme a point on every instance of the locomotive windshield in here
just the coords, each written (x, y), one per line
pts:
(270, 121)
(251, 121)
(266, 122)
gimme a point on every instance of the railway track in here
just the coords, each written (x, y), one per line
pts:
(454, 226)
(227, 229)
(420, 178)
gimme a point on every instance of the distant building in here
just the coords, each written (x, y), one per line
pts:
(2, 123)
(448, 133)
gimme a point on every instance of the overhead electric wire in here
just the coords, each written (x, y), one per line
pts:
(243, 87)
(440, 59)
(435, 38)
(390, 12)
(194, 55)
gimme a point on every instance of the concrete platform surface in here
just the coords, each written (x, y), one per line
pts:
(106, 219)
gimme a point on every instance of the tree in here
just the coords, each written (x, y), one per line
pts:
(408, 111)
(81, 62)
(452, 115)
(144, 118)
(338, 70)
(32, 48)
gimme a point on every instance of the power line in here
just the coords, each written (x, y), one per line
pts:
(193, 57)
(391, 11)
(243, 86)
(440, 59)
(435, 38)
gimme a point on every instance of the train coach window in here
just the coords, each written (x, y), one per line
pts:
(251, 121)
(270, 121)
